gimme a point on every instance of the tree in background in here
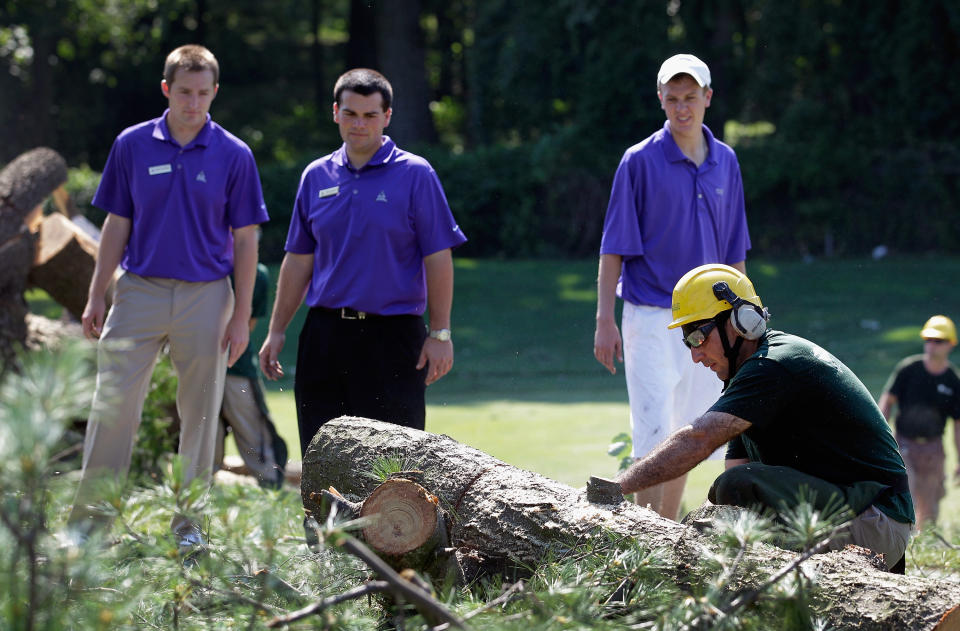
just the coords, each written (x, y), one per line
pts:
(840, 112)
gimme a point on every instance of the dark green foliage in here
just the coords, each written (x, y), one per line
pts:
(257, 567)
(535, 102)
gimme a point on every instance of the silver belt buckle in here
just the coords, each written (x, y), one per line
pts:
(356, 315)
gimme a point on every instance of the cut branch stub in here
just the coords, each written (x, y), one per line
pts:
(403, 517)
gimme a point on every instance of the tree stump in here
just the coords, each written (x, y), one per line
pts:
(503, 519)
(64, 263)
(407, 527)
(24, 184)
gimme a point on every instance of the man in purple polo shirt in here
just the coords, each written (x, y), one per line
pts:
(184, 201)
(370, 245)
(676, 203)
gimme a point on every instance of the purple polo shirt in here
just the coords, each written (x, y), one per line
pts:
(181, 201)
(667, 216)
(370, 229)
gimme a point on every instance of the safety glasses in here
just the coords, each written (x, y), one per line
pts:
(696, 337)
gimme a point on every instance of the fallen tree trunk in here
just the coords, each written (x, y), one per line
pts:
(508, 518)
(64, 263)
(24, 184)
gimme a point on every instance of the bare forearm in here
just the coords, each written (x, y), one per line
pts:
(740, 267)
(956, 440)
(295, 273)
(607, 277)
(682, 451)
(677, 455)
(244, 269)
(886, 403)
(438, 268)
(113, 242)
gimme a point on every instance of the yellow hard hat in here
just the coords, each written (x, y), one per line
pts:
(939, 328)
(694, 297)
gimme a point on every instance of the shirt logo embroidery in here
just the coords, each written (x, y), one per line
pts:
(201, 177)
(719, 191)
(943, 388)
(160, 168)
(382, 197)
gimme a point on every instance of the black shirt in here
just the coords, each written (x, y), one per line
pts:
(924, 401)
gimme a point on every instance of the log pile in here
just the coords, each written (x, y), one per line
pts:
(505, 519)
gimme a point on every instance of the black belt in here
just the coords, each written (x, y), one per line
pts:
(346, 313)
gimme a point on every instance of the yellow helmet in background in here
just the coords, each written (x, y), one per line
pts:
(939, 328)
(700, 295)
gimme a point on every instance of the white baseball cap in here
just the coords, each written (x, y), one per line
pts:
(684, 64)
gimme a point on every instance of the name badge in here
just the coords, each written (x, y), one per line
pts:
(160, 168)
(329, 192)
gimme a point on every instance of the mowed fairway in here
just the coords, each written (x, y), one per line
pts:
(526, 389)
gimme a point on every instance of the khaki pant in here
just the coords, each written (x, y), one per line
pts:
(146, 314)
(759, 486)
(924, 459)
(242, 411)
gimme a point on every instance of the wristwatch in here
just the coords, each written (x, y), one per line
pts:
(442, 335)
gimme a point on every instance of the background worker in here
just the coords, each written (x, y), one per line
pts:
(677, 202)
(183, 200)
(793, 414)
(244, 409)
(370, 245)
(925, 390)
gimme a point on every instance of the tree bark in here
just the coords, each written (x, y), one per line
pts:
(402, 59)
(64, 264)
(507, 518)
(24, 184)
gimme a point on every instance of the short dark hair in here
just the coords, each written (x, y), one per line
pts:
(192, 58)
(364, 82)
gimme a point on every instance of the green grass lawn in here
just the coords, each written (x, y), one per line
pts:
(526, 388)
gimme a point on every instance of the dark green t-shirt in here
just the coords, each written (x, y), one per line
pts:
(808, 411)
(246, 364)
(924, 401)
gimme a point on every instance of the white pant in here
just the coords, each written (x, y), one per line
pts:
(666, 389)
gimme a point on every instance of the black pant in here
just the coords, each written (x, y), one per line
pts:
(359, 368)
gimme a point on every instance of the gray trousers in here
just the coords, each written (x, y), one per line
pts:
(756, 485)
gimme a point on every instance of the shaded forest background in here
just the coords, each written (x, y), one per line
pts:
(842, 113)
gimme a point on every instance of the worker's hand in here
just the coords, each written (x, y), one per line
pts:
(92, 318)
(269, 353)
(437, 356)
(607, 345)
(236, 338)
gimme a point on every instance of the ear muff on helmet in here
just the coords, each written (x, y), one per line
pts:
(749, 320)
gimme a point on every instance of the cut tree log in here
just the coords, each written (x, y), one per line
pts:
(507, 519)
(64, 263)
(407, 527)
(24, 184)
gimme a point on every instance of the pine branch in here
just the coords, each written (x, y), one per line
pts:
(373, 587)
(418, 597)
(750, 596)
(503, 598)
